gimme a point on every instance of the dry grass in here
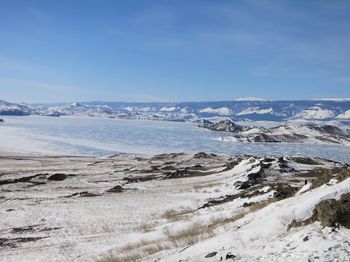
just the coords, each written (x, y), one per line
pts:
(259, 205)
(172, 215)
(144, 246)
(188, 236)
(205, 185)
(146, 227)
(198, 231)
(127, 258)
(137, 251)
(255, 206)
(221, 221)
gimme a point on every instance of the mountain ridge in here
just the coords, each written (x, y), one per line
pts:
(264, 110)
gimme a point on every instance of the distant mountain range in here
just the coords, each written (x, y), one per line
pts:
(322, 109)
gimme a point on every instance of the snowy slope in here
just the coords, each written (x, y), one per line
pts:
(344, 115)
(222, 111)
(168, 207)
(293, 132)
(255, 110)
(315, 112)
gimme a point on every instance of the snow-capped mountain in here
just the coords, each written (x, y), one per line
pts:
(76, 109)
(235, 110)
(194, 111)
(226, 126)
(7, 108)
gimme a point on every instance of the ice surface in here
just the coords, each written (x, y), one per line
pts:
(96, 137)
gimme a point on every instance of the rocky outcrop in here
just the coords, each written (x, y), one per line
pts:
(329, 212)
(225, 125)
(288, 133)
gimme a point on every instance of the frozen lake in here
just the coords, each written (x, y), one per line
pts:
(99, 137)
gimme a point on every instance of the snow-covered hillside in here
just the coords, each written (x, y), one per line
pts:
(286, 133)
(173, 207)
(315, 112)
(344, 115)
(7, 108)
(75, 109)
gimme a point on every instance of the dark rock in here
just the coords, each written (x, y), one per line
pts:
(306, 238)
(231, 164)
(246, 204)
(179, 172)
(212, 254)
(54, 114)
(253, 179)
(330, 213)
(326, 212)
(284, 191)
(225, 125)
(1, 120)
(24, 229)
(265, 138)
(229, 255)
(21, 180)
(14, 242)
(201, 155)
(136, 179)
(246, 184)
(57, 177)
(305, 160)
(116, 189)
(344, 210)
(83, 194)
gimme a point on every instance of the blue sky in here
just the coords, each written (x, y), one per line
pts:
(58, 51)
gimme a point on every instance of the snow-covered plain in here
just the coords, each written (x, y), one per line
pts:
(98, 137)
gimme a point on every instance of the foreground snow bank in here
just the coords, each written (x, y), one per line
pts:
(263, 235)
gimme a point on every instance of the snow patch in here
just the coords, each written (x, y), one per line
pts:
(315, 112)
(168, 108)
(223, 111)
(129, 108)
(255, 110)
(184, 110)
(344, 115)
